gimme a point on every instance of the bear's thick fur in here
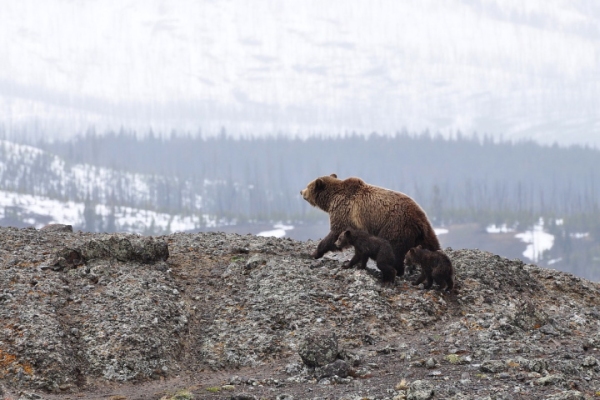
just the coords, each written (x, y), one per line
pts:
(368, 246)
(435, 266)
(390, 215)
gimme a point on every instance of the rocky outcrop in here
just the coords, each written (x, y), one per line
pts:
(79, 310)
(76, 307)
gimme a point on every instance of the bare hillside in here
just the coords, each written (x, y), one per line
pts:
(226, 316)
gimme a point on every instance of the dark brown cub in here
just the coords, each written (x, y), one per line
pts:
(368, 246)
(435, 266)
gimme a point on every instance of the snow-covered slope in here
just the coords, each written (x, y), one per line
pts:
(29, 169)
(18, 209)
(37, 188)
(521, 69)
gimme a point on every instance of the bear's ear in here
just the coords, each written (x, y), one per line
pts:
(347, 233)
(319, 184)
(333, 176)
(419, 247)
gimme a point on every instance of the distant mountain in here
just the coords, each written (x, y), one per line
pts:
(518, 69)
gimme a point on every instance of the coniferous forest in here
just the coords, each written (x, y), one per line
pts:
(457, 179)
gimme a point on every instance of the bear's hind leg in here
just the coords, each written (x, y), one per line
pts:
(443, 277)
(439, 277)
(428, 282)
(450, 282)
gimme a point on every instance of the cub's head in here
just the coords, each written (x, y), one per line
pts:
(343, 240)
(412, 256)
(318, 192)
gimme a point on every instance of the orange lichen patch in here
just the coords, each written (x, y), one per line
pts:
(474, 326)
(430, 295)
(27, 368)
(470, 282)
(219, 348)
(26, 264)
(345, 303)
(8, 360)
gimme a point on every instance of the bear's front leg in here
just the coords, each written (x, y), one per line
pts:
(363, 262)
(399, 254)
(388, 274)
(327, 244)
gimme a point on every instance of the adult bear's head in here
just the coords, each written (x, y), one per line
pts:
(327, 191)
(320, 191)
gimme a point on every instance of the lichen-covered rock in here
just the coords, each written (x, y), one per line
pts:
(57, 228)
(243, 396)
(568, 395)
(319, 349)
(68, 324)
(556, 379)
(529, 316)
(420, 390)
(126, 248)
(493, 366)
(337, 368)
(255, 261)
(66, 258)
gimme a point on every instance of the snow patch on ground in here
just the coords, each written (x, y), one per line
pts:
(278, 232)
(440, 231)
(498, 229)
(579, 235)
(537, 241)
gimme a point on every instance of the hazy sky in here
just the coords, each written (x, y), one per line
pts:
(520, 69)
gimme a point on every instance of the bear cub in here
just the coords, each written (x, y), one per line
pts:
(435, 266)
(365, 246)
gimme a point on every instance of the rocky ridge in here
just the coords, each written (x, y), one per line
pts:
(241, 317)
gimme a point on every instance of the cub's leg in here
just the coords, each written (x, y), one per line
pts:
(363, 262)
(429, 282)
(388, 273)
(421, 277)
(327, 244)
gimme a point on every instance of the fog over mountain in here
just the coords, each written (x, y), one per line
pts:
(502, 67)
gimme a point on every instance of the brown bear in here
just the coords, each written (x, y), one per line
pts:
(390, 215)
(365, 246)
(435, 266)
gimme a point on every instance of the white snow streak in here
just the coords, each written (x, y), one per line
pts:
(537, 241)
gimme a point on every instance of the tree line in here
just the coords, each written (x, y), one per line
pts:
(457, 179)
